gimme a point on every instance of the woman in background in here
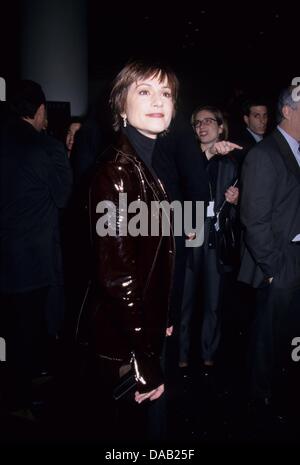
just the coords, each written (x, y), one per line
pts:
(204, 263)
(74, 126)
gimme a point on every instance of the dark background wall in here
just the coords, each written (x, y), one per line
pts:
(213, 48)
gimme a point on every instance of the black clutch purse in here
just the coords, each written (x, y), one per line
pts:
(228, 242)
(125, 387)
(227, 229)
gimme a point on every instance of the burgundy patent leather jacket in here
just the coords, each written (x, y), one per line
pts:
(132, 274)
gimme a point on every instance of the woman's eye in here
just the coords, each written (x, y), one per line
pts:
(167, 94)
(144, 92)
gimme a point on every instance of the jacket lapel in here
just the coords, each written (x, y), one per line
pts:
(287, 154)
(127, 149)
(153, 181)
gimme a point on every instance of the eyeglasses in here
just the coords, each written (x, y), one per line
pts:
(204, 122)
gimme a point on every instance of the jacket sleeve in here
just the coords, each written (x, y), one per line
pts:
(259, 181)
(54, 169)
(117, 271)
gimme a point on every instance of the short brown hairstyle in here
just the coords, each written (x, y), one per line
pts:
(132, 72)
(217, 114)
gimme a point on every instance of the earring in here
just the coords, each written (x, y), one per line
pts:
(124, 121)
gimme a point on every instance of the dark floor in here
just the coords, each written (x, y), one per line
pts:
(206, 408)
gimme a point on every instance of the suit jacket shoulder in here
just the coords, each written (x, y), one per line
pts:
(270, 213)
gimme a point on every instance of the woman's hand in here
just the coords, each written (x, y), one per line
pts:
(232, 195)
(151, 395)
(223, 147)
(190, 236)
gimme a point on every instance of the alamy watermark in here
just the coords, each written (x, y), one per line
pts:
(296, 91)
(296, 351)
(2, 350)
(2, 89)
(161, 218)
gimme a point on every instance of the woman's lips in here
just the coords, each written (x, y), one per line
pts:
(155, 115)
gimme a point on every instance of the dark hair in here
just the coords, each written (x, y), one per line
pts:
(132, 72)
(27, 98)
(217, 114)
(248, 104)
(75, 120)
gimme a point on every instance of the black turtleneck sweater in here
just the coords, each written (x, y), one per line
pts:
(144, 146)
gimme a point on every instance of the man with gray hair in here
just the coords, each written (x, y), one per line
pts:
(270, 214)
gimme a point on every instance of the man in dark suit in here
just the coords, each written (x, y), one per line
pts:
(270, 214)
(255, 116)
(35, 183)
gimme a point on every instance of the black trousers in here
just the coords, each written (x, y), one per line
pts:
(202, 269)
(190, 301)
(23, 326)
(178, 281)
(276, 323)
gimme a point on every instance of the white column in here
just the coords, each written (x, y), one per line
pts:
(54, 49)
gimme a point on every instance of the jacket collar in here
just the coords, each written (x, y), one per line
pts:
(287, 154)
(123, 145)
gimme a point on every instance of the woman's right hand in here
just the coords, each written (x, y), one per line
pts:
(223, 147)
(232, 195)
(151, 395)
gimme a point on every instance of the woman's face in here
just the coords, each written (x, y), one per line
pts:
(149, 106)
(73, 128)
(206, 127)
